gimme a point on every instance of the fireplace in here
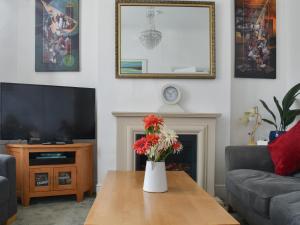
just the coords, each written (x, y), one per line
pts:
(196, 131)
(184, 161)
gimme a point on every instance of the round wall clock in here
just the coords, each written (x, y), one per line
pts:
(171, 94)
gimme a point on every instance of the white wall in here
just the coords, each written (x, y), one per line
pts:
(8, 38)
(293, 43)
(183, 44)
(144, 95)
(225, 95)
(245, 93)
(185, 49)
(24, 42)
(17, 44)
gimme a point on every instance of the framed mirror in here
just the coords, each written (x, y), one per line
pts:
(165, 39)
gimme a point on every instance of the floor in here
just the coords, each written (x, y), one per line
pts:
(54, 211)
(239, 218)
(60, 211)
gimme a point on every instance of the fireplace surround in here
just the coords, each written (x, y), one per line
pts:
(200, 125)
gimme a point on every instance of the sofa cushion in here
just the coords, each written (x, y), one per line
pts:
(4, 189)
(285, 152)
(256, 188)
(285, 209)
(297, 175)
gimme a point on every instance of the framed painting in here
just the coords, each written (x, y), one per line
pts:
(57, 35)
(132, 66)
(255, 39)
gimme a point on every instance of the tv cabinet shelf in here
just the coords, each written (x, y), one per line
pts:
(38, 175)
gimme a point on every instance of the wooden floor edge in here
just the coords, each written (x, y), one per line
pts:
(11, 220)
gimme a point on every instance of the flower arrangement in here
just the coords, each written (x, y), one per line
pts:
(159, 142)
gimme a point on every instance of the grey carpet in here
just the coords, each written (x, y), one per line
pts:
(61, 211)
(54, 211)
(239, 218)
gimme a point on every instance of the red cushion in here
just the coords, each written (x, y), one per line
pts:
(285, 152)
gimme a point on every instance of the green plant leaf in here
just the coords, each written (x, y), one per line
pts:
(271, 122)
(291, 116)
(290, 97)
(278, 106)
(269, 110)
(280, 110)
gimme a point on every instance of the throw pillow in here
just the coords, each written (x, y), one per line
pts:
(285, 152)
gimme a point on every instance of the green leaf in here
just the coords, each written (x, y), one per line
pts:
(280, 110)
(270, 122)
(278, 106)
(291, 116)
(269, 110)
(290, 97)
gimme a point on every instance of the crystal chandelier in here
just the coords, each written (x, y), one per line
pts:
(151, 37)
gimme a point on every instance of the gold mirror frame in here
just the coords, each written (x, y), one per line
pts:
(210, 5)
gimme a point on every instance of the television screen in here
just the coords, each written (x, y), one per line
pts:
(51, 113)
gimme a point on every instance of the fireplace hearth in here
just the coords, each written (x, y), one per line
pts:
(195, 130)
(184, 161)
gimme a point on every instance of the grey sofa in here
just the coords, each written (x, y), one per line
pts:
(256, 193)
(8, 199)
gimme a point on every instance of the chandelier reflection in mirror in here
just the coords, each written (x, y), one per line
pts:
(151, 37)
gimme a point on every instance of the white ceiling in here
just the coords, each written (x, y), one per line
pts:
(168, 18)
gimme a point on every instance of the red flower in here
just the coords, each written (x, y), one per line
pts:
(141, 146)
(177, 147)
(153, 121)
(152, 139)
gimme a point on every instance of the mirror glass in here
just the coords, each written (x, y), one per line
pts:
(165, 41)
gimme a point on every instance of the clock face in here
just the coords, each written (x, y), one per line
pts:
(171, 95)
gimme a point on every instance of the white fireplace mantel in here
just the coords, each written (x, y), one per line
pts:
(201, 124)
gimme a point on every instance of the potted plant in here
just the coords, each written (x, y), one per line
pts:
(158, 143)
(287, 115)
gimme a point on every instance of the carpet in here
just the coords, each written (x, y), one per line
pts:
(54, 211)
(61, 211)
(239, 218)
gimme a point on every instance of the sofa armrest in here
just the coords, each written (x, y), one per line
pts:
(8, 170)
(7, 166)
(248, 157)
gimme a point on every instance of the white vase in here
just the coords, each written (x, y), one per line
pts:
(155, 179)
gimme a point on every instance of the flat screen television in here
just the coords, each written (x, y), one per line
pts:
(51, 113)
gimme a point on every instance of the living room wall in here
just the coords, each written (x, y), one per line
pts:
(245, 93)
(8, 38)
(225, 95)
(144, 95)
(22, 40)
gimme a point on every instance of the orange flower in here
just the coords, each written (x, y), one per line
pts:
(153, 122)
(152, 139)
(141, 146)
(177, 147)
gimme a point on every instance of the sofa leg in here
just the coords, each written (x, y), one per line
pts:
(11, 220)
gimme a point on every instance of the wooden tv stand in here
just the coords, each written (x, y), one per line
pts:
(51, 170)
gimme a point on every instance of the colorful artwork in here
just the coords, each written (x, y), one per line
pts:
(133, 66)
(57, 35)
(255, 39)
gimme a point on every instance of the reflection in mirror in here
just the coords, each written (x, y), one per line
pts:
(167, 41)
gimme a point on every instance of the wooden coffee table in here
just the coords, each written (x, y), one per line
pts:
(123, 202)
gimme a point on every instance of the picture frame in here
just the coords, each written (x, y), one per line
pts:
(171, 52)
(57, 33)
(255, 39)
(134, 66)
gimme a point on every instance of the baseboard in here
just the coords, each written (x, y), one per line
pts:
(220, 191)
(98, 188)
